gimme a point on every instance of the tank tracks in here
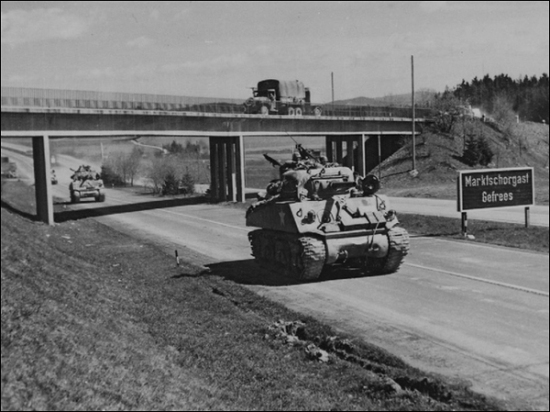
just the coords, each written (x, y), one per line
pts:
(300, 257)
(303, 257)
(398, 249)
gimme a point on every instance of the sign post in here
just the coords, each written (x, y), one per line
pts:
(464, 224)
(495, 188)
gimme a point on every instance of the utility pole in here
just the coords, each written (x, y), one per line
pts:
(413, 119)
(332, 85)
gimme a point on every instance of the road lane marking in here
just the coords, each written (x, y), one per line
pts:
(206, 220)
(188, 216)
(483, 280)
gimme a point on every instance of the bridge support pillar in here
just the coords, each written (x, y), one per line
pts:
(43, 184)
(227, 168)
(349, 151)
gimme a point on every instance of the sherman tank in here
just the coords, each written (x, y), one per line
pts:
(86, 183)
(319, 214)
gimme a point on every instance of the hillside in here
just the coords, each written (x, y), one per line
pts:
(438, 159)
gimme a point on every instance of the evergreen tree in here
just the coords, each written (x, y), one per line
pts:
(170, 184)
(188, 184)
(528, 97)
(110, 177)
(477, 152)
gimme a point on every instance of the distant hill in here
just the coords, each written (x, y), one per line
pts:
(359, 101)
(422, 98)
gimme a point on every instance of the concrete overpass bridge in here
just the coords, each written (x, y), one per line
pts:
(355, 140)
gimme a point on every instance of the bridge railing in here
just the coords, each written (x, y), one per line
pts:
(375, 111)
(54, 98)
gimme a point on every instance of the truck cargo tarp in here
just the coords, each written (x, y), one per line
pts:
(292, 88)
(286, 88)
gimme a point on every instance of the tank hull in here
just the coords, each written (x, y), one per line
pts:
(320, 214)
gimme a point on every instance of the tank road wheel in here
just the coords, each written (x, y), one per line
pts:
(302, 258)
(291, 111)
(299, 111)
(261, 248)
(75, 197)
(398, 249)
(264, 110)
(309, 255)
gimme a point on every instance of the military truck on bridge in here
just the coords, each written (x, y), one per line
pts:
(282, 97)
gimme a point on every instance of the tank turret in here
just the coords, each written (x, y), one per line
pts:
(320, 214)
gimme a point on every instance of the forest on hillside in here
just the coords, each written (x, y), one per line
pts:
(501, 95)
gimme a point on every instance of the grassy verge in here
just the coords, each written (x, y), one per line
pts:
(19, 195)
(93, 320)
(503, 234)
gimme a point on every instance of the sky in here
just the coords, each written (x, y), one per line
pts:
(222, 49)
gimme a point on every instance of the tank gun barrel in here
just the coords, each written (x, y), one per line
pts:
(272, 161)
(305, 154)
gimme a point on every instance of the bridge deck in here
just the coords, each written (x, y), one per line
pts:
(64, 121)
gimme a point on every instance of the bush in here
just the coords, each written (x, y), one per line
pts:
(477, 152)
(174, 186)
(122, 168)
(170, 176)
(448, 109)
(110, 177)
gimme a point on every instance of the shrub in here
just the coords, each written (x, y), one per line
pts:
(110, 177)
(477, 152)
(122, 168)
(449, 111)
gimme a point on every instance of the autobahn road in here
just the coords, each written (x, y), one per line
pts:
(447, 208)
(468, 311)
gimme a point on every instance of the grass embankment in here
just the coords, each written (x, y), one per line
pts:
(93, 320)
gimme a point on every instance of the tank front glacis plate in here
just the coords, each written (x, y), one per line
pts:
(336, 214)
(88, 193)
(274, 216)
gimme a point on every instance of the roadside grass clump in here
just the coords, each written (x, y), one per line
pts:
(92, 319)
